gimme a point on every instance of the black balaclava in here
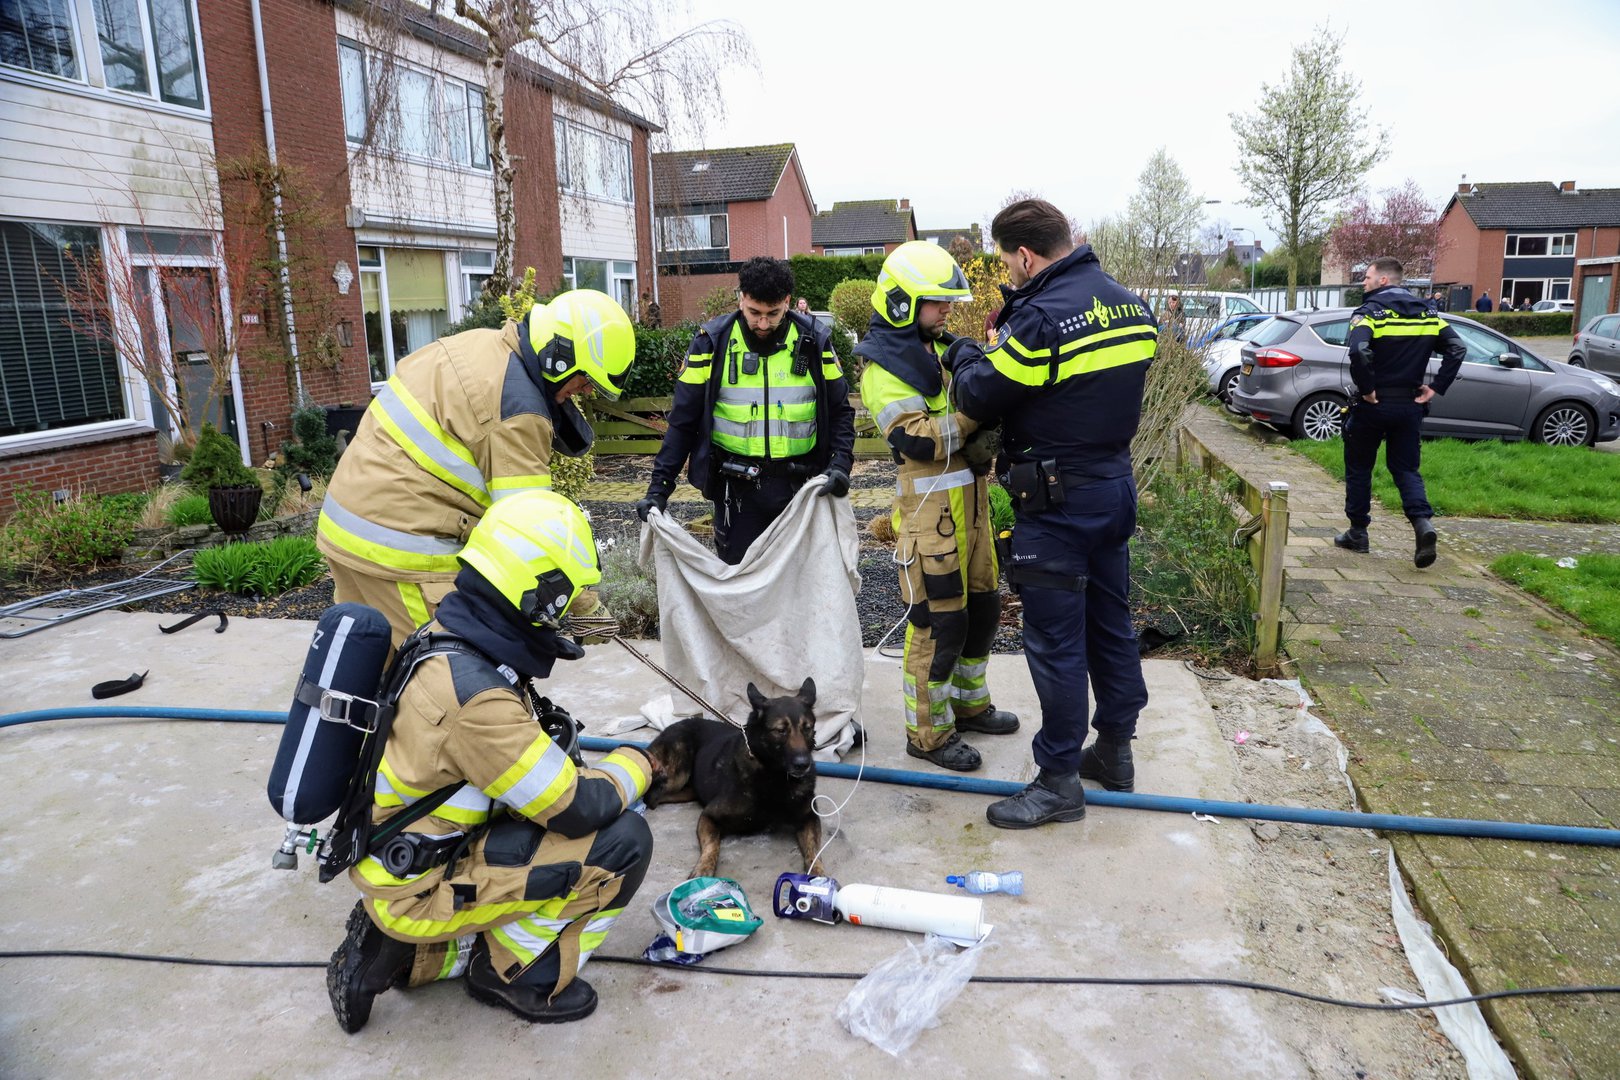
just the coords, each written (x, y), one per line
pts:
(478, 612)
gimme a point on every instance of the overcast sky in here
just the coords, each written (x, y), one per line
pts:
(954, 105)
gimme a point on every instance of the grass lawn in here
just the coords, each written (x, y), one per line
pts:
(1493, 479)
(1590, 590)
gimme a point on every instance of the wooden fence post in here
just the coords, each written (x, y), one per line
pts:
(1273, 544)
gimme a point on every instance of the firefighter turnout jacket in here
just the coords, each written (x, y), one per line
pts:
(1066, 374)
(530, 876)
(789, 407)
(1392, 335)
(948, 573)
(464, 421)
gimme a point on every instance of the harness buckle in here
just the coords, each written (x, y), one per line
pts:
(349, 709)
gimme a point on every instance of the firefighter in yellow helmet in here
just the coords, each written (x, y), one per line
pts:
(465, 422)
(516, 877)
(944, 545)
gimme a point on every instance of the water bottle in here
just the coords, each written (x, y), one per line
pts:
(980, 882)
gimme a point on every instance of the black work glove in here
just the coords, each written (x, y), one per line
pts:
(652, 500)
(837, 482)
(963, 352)
(981, 448)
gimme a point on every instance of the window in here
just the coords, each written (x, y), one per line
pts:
(617, 278)
(878, 250)
(141, 46)
(1237, 305)
(1336, 332)
(1273, 331)
(51, 375)
(476, 267)
(1483, 348)
(1530, 246)
(428, 116)
(690, 232)
(404, 290)
(592, 162)
(37, 35)
(1560, 289)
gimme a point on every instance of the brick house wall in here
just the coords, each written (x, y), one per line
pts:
(101, 465)
(1469, 256)
(531, 140)
(301, 54)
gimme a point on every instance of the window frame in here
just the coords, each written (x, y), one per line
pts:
(443, 88)
(90, 74)
(1566, 240)
(664, 243)
(563, 153)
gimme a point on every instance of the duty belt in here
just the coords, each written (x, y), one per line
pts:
(1405, 390)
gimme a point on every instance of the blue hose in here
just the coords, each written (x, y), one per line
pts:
(1494, 830)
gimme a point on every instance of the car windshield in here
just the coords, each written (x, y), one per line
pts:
(1240, 305)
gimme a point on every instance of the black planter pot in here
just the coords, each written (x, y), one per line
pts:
(344, 418)
(235, 509)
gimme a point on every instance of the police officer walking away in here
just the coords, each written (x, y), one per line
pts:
(1065, 380)
(1392, 335)
(941, 509)
(760, 407)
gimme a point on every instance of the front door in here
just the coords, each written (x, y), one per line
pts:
(191, 304)
(1594, 298)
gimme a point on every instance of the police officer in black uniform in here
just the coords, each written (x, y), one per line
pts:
(1065, 381)
(761, 405)
(1392, 335)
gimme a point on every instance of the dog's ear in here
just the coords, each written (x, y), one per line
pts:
(807, 693)
(757, 699)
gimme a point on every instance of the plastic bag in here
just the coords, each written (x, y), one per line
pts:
(905, 994)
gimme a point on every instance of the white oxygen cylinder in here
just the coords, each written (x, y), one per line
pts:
(959, 918)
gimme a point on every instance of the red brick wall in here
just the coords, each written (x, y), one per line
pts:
(105, 465)
(1460, 253)
(1595, 243)
(301, 54)
(682, 294)
(646, 269)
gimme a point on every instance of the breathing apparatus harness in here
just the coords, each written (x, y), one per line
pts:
(352, 836)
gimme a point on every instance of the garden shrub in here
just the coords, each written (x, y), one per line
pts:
(718, 301)
(851, 304)
(570, 476)
(659, 352)
(263, 569)
(1526, 323)
(815, 276)
(312, 451)
(189, 509)
(216, 461)
(1001, 509)
(44, 536)
(629, 591)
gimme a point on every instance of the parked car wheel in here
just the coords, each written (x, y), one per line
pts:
(1565, 424)
(1228, 381)
(1576, 360)
(1320, 417)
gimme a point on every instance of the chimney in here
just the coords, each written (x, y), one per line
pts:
(1230, 244)
(905, 204)
(1567, 185)
(1465, 188)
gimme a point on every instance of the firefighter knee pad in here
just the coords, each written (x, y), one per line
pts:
(983, 616)
(917, 615)
(950, 634)
(624, 848)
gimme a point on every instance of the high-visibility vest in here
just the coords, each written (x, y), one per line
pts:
(769, 413)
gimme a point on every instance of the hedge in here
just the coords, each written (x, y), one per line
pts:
(815, 276)
(1526, 323)
(659, 354)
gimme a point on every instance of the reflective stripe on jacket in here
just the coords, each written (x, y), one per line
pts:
(770, 413)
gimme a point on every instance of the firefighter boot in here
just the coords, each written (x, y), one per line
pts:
(367, 963)
(992, 721)
(1109, 763)
(1052, 796)
(1423, 530)
(576, 1002)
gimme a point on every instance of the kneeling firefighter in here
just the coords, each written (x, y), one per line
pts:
(947, 558)
(465, 422)
(518, 871)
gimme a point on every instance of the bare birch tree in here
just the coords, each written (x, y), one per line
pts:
(618, 50)
(1306, 146)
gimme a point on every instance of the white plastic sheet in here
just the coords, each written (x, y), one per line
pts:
(785, 613)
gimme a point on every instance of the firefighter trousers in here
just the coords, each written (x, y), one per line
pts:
(405, 604)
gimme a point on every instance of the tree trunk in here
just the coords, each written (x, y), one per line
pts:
(1293, 263)
(500, 281)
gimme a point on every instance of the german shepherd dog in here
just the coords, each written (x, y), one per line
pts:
(760, 777)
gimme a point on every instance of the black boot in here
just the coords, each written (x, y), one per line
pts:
(576, 1002)
(1352, 539)
(953, 754)
(1423, 529)
(1109, 763)
(1052, 797)
(992, 721)
(367, 963)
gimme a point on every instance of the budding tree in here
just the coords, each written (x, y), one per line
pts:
(1306, 146)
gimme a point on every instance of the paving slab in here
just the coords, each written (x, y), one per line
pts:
(155, 836)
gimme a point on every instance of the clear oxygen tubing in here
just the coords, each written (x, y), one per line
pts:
(1491, 830)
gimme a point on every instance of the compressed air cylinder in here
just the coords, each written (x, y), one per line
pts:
(960, 918)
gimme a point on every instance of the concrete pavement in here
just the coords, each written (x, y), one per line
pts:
(155, 836)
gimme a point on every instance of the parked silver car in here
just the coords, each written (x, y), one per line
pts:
(1296, 378)
(1597, 346)
(1223, 355)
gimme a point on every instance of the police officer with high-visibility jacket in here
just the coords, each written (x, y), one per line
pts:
(465, 422)
(1065, 379)
(515, 878)
(1392, 335)
(944, 546)
(760, 407)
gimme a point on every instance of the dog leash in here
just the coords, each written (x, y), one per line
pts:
(676, 683)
